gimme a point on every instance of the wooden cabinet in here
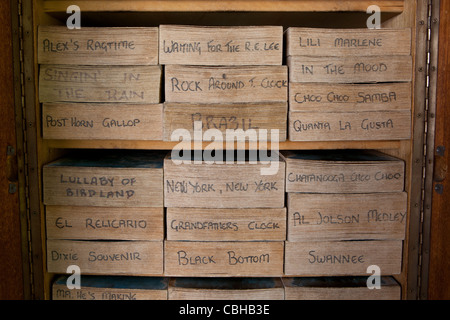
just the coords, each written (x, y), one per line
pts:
(400, 14)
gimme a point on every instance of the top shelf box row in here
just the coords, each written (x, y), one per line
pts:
(200, 45)
(390, 6)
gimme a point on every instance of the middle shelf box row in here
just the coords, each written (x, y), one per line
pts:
(153, 213)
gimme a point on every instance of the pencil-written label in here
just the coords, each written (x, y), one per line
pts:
(113, 257)
(78, 83)
(97, 186)
(77, 186)
(226, 84)
(350, 69)
(221, 46)
(218, 46)
(340, 42)
(364, 125)
(98, 46)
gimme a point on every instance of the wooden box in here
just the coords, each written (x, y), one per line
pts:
(347, 42)
(340, 288)
(226, 84)
(106, 257)
(112, 288)
(347, 97)
(226, 289)
(97, 46)
(248, 117)
(223, 259)
(206, 45)
(208, 224)
(337, 258)
(80, 83)
(107, 121)
(234, 183)
(362, 216)
(105, 179)
(343, 171)
(350, 69)
(326, 125)
(104, 223)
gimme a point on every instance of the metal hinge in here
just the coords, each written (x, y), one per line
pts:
(429, 147)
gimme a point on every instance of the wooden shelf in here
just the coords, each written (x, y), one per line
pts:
(392, 6)
(167, 145)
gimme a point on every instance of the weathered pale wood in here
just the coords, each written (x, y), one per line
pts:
(349, 97)
(206, 45)
(112, 288)
(343, 172)
(340, 288)
(102, 223)
(98, 45)
(378, 216)
(214, 84)
(353, 125)
(223, 117)
(349, 69)
(106, 257)
(335, 258)
(105, 181)
(219, 259)
(226, 289)
(224, 185)
(208, 224)
(124, 84)
(340, 42)
(146, 190)
(76, 121)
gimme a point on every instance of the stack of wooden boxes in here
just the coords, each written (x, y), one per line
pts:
(346, 212)
(224, 218)
(224, 78)
(100, 83)
(104, 213)
(104, 209)
(212, 218)
(347, 209)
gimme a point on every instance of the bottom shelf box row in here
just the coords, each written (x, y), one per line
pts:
(186, 288)
(225, 259)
